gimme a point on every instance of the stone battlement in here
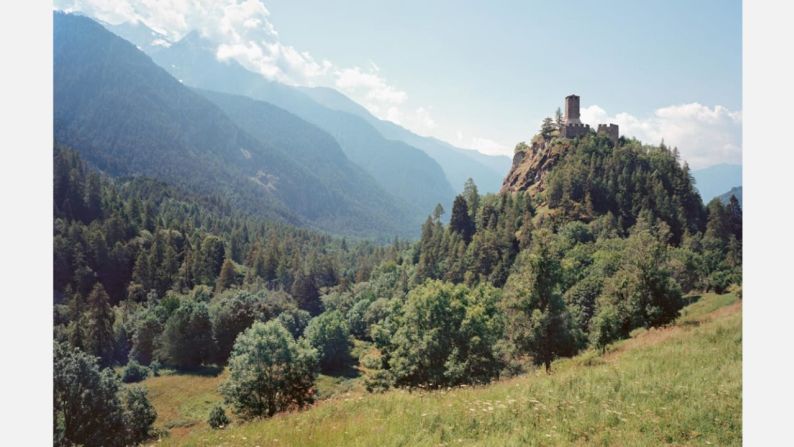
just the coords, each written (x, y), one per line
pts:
(611, 131)
(573, 127)
(574, 130)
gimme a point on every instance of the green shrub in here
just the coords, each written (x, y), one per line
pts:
(232, 313)
(87, 408)
(217, 418)
(444, 335)
(155, 367)
(187, 342)
(134, 372)
(144, 337)
(356, 319)
(269, 371)
(139, 415)
(295, 320)
(329, 335)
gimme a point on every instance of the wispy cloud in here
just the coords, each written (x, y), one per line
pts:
(244, 32)
(704, 135)
(482, 144)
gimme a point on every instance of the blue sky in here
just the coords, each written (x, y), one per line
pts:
(484, 75)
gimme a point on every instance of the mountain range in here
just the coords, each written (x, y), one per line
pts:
(128, 117)
(134, 103)
(181, 58)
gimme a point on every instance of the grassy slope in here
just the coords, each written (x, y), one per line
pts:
(678, 386)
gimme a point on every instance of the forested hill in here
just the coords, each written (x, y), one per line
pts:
(583, 179)
(587, 244)
(127, 116)
(139, 237)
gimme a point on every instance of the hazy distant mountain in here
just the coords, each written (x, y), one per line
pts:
(735, 191)
(128, 116)
(138, 34)
(310, 146)
(401, 169)
(458, 164)
(717, 179)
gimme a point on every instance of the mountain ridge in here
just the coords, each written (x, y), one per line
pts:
(402, 170)
(128, 116)
(459, 164)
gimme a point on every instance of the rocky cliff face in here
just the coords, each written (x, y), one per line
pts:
(531, 164)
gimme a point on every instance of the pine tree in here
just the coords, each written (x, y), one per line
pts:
(539, 322)
(76, 330)
(304, 290)
(227, 277)
(547, 128)
(461, 222)
(98, 322)
(733, 212)
(472, 198)
(438, 211)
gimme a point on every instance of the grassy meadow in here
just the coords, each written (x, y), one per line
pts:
(678, 385)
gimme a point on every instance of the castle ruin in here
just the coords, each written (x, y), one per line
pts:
(572, 126)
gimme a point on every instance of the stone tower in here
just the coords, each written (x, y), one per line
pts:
(572, 110)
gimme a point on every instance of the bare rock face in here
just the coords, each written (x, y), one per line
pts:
(530, 166)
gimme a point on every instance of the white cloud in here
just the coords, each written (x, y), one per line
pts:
(369, 84)
(419, 120)
(484, 145)
(243, 32)
(704, 136)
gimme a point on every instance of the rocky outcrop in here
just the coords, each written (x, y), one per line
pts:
(531, 164)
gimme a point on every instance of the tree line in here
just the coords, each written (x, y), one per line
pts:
(151, 277)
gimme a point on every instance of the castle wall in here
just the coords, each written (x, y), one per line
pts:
(611, 131)
(574, 130)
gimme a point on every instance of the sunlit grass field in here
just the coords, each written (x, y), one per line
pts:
(679, 385)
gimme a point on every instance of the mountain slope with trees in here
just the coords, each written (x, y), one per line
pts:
(127, 116)
(312, 147)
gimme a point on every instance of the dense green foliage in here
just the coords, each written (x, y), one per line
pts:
(443, 335)
(186, 341)
(539, 323)
(611, 244)
(140, 414)
(89, 408)
(680, 386)
(626, 181)
(134, 372)
(269, 371)
(127, 253)
(329, 334)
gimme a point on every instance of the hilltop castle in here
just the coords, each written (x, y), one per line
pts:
(573, 127)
